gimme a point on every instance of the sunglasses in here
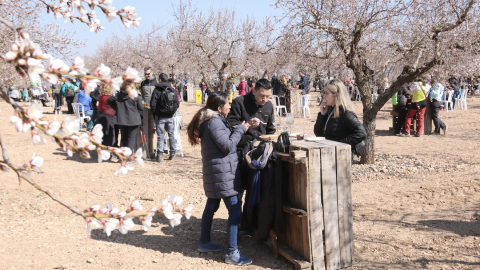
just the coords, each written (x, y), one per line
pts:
(147, 74)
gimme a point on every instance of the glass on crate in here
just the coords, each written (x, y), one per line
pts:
(289, 120)
(277, 121)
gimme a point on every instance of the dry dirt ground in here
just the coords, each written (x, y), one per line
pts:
(416, 208)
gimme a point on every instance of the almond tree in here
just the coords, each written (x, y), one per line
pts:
(226, 42)
(402, 38)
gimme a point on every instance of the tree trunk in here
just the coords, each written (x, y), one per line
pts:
(368, 155)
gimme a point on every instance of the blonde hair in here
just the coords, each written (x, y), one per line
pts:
(341, 97)
(106, 89)
(242, 78)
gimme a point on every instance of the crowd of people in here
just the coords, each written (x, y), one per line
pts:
(229, 131)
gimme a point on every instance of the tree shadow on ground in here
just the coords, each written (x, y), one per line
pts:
(384, 133)
(184, 239)
(75, 157)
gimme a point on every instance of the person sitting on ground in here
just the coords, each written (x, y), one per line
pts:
(337, 120)
(127, 115)
(436, 95)
(221, 179)
(418, 106)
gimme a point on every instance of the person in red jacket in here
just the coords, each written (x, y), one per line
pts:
(242, 86)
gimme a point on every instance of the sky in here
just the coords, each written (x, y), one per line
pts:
(153, 11)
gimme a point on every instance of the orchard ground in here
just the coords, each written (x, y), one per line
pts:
(417, 207)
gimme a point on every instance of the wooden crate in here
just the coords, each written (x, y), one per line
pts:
(318, 215)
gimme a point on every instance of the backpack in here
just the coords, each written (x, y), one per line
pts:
(70, 91)
(56, 88)
(168, 101)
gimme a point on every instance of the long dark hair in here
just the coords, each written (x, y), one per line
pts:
(215, 100)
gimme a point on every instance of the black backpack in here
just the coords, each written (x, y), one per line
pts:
(168, 101)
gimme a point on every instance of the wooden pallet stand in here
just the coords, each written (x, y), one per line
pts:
(318, 218)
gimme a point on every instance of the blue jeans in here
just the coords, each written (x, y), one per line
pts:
(162, 124)
(93, 117)
(234, 206)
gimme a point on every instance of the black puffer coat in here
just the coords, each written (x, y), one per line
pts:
(127, 110)
(345, 129)
(221, 177)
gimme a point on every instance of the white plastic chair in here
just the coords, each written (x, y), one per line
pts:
(176, 133)
(304, 107)
(462, 100)
(277, 106)
(448, 100)
(80, 114)
(51, 100)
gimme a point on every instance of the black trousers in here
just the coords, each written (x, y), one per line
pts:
(129, 134)
(436, 121)
(69, 104)
(402, 114)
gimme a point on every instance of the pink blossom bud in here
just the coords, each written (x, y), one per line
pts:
(69, 151)
(94, 208)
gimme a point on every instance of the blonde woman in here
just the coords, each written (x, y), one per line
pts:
(337, 121)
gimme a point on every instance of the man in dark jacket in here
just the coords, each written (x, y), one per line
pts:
(163, 120)
(256, 109)
(304, 82)
(147, 87)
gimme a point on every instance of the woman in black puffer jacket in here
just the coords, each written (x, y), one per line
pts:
(221, 178)
(336, 120)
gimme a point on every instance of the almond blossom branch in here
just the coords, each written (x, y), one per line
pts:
(94, 24)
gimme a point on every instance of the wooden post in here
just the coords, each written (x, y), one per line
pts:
(345, 212)
(330, 211)
(273, 237)
(315, 209)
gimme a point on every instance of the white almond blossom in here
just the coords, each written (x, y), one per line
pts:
(126, 23)
(136, 22)
(90, 222)
(109, 225)
(111, 15)
(139, 157)
(103, 155)
(35, 111)
(79, 65)
(58, 65)
(36, 161)
(175, 220)
(52, 128)
(69, 126)
(50, 78)
(126, 224)
(37, 139)
(17, 121)
(175, 200)
(146, 221)
(136, 206)
(124, 169)
(132, 75)
(102, 71)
